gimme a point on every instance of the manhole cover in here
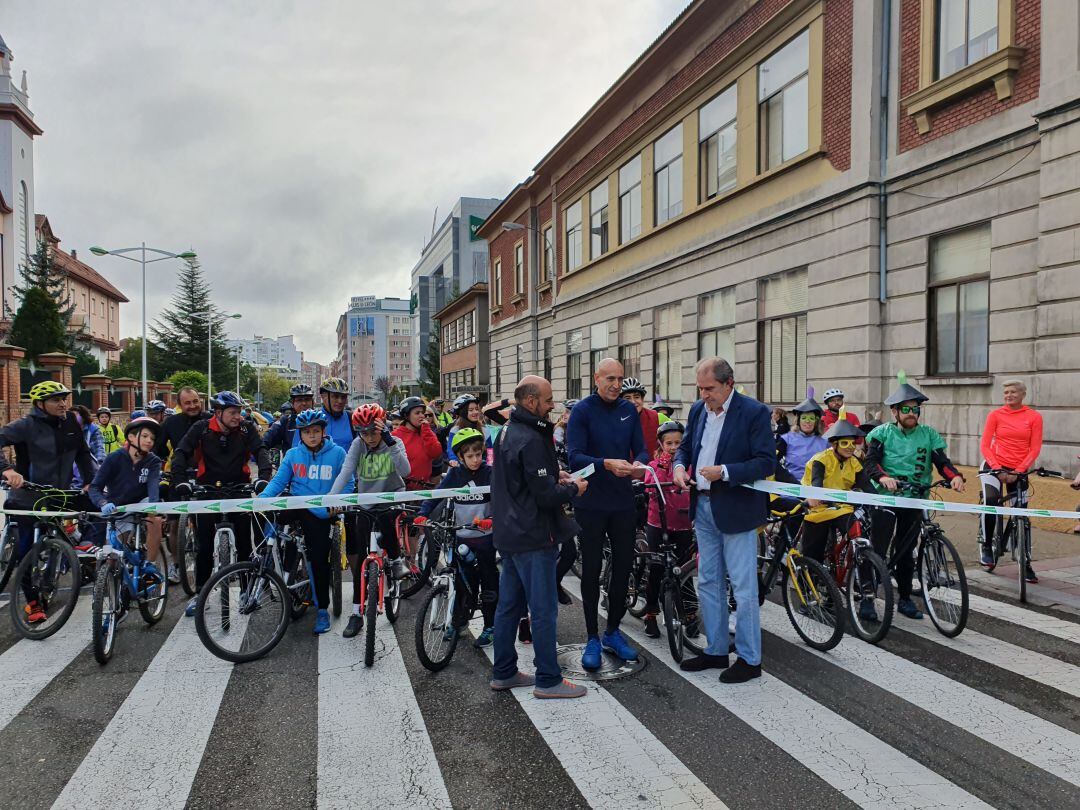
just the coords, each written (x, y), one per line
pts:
(611, 667)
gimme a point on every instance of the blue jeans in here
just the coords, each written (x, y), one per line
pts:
(527, 584)
(722, 557)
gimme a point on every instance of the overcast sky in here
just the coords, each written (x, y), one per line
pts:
(300, 147)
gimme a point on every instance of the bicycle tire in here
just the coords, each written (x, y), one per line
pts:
(9, 540)
(870, 632)
(436, 656)
(152, 609)
(62, 555)
(300, 588)
(635, 589)
(392, 599)
(254, 582)
(411, 545)
(187, 554)
(104, 613)
(822, 601)
(1023, 534)
(335, 572)
(673, 622)
(371, 612)
(943, 551)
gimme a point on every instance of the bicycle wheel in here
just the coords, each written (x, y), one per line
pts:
(868, 583)
(48, 575)
(242, 612)
(1023, 554)
(9, 540)
(105, 611)
(814, 604)
(153, 596)
(944, 584)
(335, 572)
(187, 552)
(639, 577)
(392, 598)
(435, 637)
(673, 622)
(371, 611)
(299, 587)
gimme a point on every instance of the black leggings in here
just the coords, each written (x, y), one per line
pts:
(683, 541)
(992, 496)
(567, 556)
(317, 540)
(619, 528)
(905, 524)
(485, 576)
(206, 528)
(816, 535)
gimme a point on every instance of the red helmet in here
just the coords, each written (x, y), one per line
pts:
(365, 415)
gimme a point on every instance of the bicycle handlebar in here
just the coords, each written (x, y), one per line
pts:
(1041, 472)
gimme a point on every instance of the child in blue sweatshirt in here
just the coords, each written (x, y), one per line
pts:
(310, 469)
(473, 471)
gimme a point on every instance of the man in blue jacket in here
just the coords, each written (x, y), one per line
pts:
(728, 442)
(604, 430)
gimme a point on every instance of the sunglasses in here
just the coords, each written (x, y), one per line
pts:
(808, 417)
(906, 409)
(846, 444)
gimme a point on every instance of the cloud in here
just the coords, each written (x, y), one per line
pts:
(300, 147)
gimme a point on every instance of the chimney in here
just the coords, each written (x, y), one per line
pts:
(73, 254)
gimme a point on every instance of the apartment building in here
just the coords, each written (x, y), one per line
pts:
(374, 340)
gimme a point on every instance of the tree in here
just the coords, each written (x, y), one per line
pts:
(182, 337)
(395, 396)
(383, 386)
(38, 326)
(429, 365)
(85, 363)
(40, 271)
(274, 388)
(188, 379)
(130, 363)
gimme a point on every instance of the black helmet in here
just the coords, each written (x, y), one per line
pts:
(664, 408)
(226, 399)
(408, 404)
(462, 403)
(334, 385)
(632, 385)
(286, 406)
(301, 390)
(843, 429)
(569, 404)
(905, 392)
(670, 426)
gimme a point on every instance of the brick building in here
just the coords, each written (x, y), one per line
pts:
(751, 187)
(463, 364)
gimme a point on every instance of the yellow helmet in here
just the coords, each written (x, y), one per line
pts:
(49, 388)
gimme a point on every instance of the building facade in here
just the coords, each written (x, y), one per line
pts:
(454, 259)
(312, 374)
(266, 351)
(374, 340)
(825, 192)
(463, 344)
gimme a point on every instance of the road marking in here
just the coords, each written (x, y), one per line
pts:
(374, 749)
(862, 767)
(1036, 666)
(27, 666)
(614, 760)
(1017, 732)
(150, 752)
(1028, 619)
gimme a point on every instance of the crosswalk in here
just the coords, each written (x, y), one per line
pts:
(988, 719)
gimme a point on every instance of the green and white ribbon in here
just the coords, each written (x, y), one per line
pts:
(226, 505)
(901, 502)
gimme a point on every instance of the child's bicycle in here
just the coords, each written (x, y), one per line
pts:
(380, 592)
(122, 578)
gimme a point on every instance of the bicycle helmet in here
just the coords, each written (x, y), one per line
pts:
(665, 409)
(832, 392)
(226, 399)
(632, 385)
(310, 418)
(462, 403)
(301, 390)
(286, 407)
(102, 410)
(156, 406)
(334, 385)
(671, 426)
(905, 392)
(569, 404)
(142, 422)
(366, 415)
(465, 435)
(408, 404)
(170, 411)
(48, 388)
(137, 415)
(843, 429)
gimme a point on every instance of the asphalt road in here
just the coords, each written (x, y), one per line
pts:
(990, 718)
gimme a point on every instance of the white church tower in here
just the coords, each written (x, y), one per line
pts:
(17, 133)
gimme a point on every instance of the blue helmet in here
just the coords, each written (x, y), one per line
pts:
(156, 406)
(137, 414)
(226, 399)
(310, 418)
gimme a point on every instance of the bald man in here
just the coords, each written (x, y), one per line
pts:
(604, 430)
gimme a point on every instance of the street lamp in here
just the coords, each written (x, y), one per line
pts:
(209, 316)
(143, 261)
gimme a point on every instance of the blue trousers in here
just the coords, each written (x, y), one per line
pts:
(723, 557)
(527, 585)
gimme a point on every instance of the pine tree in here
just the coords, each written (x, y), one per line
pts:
(429, 365)
(38, 326)
(182, 339)
(40, 271)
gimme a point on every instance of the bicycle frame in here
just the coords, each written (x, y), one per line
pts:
(130, 570)
(377, 557)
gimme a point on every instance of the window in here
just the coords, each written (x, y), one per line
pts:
(783, 102)
(667, 163)
(716, 325)
(667, 352)
(598, 221)
(498, 371)
(716, 130)
(782, 303)
(573, 365)
(517, 364)
(598, 345)
(630, 200)
(630, 345)
(546, 367)
(967, 30)
(496, 282)
(519, 268)
(573, 236)
(960, 302)
(549, 255)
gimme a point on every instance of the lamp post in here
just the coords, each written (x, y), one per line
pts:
(143, 261)
(209, 316)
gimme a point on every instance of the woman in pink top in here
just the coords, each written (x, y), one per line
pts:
(676, 522)
(1012, 440)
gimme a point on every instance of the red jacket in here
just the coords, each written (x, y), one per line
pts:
(650, 421)
(422, 448)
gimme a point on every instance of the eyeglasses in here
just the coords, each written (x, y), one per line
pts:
(845, 444)
(906, 409)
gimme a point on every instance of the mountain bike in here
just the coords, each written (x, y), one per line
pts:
(860, 574)
(414, 549)
(121, 579)
(1013, 534)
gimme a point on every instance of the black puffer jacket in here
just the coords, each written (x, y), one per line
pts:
(526, 496)
(46, 448)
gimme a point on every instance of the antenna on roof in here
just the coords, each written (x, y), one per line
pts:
(434, 218)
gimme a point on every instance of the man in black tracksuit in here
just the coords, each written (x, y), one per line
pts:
(528, 492)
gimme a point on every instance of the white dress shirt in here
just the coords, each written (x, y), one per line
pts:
(710, 439)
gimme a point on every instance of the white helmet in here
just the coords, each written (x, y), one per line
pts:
(832, 392)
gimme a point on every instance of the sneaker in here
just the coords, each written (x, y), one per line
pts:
(867, 611)
(485, 638)
(651, 628)
(907, 607)
(564, 596)
(593, 655)
(986, 559)
(399, 568)
(322, 622)
(740, 672)
(355, 625)
(189, 611)
(520, 679)
(561, 690)
(1029, 574)
(525, 631)
(35, 614)
(615, 642)
(451, 633)
(174, 574)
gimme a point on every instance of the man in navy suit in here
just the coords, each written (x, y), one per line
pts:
(728, 442)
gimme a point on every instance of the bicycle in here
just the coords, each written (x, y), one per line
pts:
(380, 592)
(1015, 534)
(224, 542)
(264, 592)
(939, 569)
(811, 597)
(414, 549)
(122, 578)
(187, 552)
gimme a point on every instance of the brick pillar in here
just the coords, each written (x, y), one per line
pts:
(165, 393)
(10, 381)
(98, 386)
(126, 386)
(59, 365)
